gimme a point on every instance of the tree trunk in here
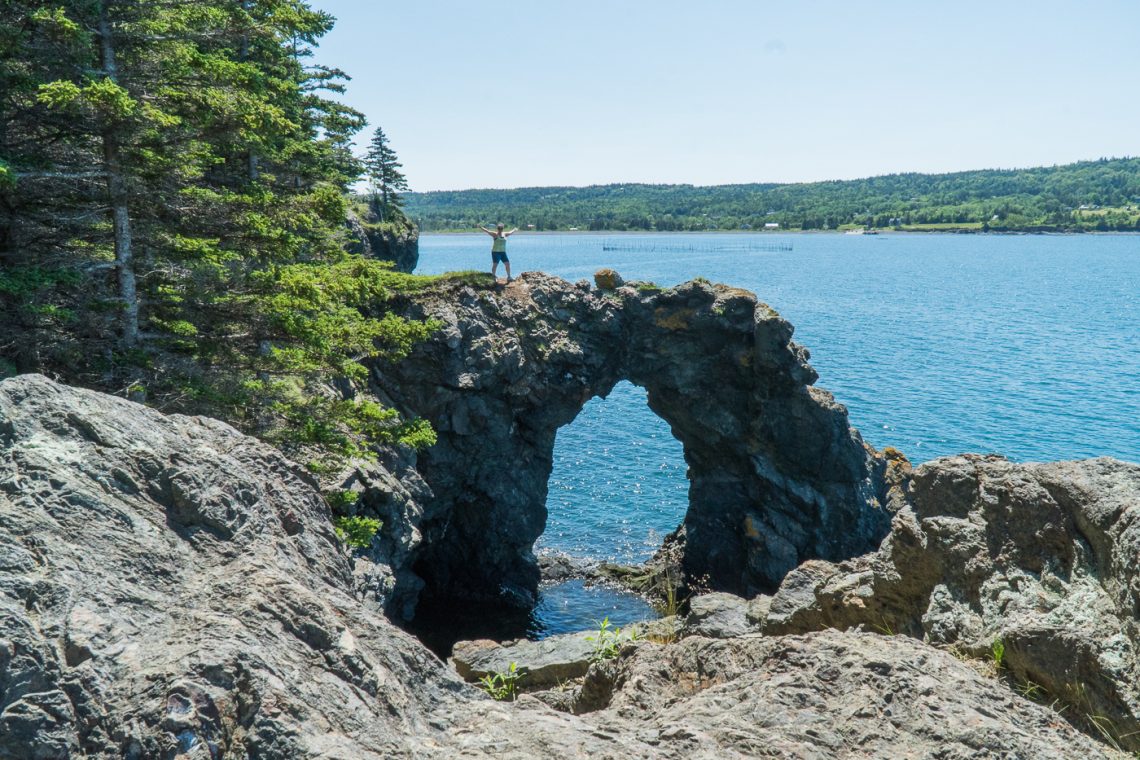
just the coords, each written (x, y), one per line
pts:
(120, 213)
(251, 164)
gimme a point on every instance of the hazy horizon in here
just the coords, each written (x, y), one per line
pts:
(733, 92)
(801, 182)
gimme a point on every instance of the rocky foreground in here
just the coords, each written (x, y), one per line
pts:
(170, 588)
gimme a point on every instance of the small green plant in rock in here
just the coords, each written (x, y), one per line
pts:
(670, 595)
(504, 685)
(885, 628)
(341, 500)
(610, 638)
(1030, 690)
(357, 532)
(997, 653)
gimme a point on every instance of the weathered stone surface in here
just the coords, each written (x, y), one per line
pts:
(1041, 557)
(717, 615)
(824, 696)
(401, 248)
(758, 608)
(776, 474)
(543, 663)
(392, 490)
(169, 585)
(171, 589)
(555, 566)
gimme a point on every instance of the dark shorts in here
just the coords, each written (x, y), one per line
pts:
(497, 257)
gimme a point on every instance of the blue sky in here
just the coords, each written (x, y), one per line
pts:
(511, 94)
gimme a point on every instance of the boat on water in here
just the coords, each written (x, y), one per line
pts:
(861, 231)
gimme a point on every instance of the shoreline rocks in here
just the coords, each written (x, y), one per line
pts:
(1031, 565)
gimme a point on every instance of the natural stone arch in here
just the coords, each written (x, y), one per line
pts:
(776, 474)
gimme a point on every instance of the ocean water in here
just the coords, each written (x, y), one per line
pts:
(1027, 345)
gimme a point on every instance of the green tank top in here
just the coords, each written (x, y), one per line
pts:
(499, 245)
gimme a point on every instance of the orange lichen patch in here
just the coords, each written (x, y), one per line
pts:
(608, 279)
(744, 359)
(890, 452)
(896, 460)
(673, 320)
(750, 528)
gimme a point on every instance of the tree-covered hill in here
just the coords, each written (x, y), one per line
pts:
(1091, 195)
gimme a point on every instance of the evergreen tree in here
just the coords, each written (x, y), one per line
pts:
(384, 176)
(172, 202)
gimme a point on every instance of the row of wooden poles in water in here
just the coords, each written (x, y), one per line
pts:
(651, 246)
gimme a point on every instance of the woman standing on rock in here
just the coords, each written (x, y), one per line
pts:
(499, 249)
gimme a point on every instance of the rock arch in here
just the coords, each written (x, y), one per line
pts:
(776, 474)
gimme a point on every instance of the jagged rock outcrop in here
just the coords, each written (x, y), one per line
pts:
(776, 474)
(171, 589)
(1041, 558)
(397, 243)
(829, 695)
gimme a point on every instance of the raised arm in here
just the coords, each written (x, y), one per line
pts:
(489, 232)
(508, 234)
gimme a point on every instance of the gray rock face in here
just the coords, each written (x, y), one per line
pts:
(1039, 557)
(776, 474)
(401, 248)
(368, 239)
(169, 586)
(171, 589)
(828, 695)
(543, 663)
(717, 616)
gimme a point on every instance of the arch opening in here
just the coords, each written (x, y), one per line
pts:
(618, 482)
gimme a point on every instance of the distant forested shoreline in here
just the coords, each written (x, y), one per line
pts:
(1102, 195)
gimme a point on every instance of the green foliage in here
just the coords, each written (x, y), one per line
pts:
(357, 532)
(502, 686)
(1030, 690)
(610, 639)
(1025, 199)
(469, 277)
(384, 175)
(997, 653)
(342, 500)
(204, 126)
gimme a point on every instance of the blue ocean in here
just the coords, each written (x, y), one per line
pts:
(1024, 345)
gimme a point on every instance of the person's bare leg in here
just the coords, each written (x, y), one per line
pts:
(507, 265)
(495, 269)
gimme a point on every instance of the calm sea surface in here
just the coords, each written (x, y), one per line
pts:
(937, 344)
